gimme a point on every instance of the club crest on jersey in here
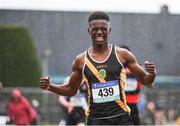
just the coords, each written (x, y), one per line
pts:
(102, 73)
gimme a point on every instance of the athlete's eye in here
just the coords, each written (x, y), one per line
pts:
(95, 29)
(103, 29)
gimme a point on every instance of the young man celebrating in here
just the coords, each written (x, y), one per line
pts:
(102, 65)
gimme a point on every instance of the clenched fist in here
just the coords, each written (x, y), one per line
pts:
(150, 68)
(44, 83)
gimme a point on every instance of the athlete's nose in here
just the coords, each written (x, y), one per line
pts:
(99, 31)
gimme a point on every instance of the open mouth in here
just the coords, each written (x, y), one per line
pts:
(99, 38)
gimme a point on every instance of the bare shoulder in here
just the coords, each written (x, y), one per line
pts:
(124, 55)
(80, 57)
(79, 60)
(121, 51)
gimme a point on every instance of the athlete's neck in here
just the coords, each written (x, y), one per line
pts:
(100, 53)
(98, 48)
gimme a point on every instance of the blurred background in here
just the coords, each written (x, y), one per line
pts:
(43, 37)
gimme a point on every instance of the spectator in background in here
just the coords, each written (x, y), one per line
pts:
(132, 91)
(74, 107)
(171, 115)
(142, 103)
(148, 115)
(20, 110)
(36, 106)
(159, 116)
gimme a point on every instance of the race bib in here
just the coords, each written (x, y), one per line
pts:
(131, 84)
(105, 92)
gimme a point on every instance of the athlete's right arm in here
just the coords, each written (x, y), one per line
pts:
(70, 88)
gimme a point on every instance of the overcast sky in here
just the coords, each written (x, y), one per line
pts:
(132, 6)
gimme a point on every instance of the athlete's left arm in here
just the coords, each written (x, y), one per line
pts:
(146, 76)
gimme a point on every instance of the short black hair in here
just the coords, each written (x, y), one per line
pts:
(98, 15)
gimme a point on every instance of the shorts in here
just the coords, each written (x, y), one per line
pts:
(76, 116)
(117, 120)
(134, 114)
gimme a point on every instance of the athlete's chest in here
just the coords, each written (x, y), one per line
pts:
(99, 57)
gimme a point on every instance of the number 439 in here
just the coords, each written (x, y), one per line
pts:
(105, 92)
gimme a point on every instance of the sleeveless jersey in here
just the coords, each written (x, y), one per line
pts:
(106, 82)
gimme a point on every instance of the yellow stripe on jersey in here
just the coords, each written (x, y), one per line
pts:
(123, 105)
(94, 70)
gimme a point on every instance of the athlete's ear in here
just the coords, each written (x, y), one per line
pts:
(89, 30)
(110, 30)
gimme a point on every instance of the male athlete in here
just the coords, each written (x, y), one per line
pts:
(102, 65)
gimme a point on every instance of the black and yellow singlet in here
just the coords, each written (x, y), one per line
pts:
(106, 81)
